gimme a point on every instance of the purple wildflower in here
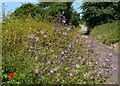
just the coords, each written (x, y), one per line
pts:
(39, 52)
(48, 62)
(28, 37)
(80, 43)
(63, 12)
(112, 65)
(68, 28)
(32, 36)
(63, 21)
(31, 47)
(96, 63)
(37, 70)
(60, 62)
(114, 69)
(107, 69)
(42, 31)
(30, 50)
(58, 67)
(88, 46)
(36, 38)
(107, 60)
(76, 40)
(70, 74)
(71, 65)
(111, 54)
(100, 54)
(65, 51)
(92, 41)
(62, 52)
(59, 21)
(54, 61)
(52, 70)
(85, 57)
(71, 45)
(45, 36)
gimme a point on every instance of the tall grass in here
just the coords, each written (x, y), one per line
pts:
(107, 33)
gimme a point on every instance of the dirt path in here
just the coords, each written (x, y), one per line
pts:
(101, 48)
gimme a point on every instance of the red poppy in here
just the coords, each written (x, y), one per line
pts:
(11, 75)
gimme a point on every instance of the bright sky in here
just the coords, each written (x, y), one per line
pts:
(11, 6)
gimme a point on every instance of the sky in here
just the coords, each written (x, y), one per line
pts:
(10, 6)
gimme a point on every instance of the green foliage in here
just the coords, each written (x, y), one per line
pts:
(50, 11)
(107, 33)
(25, 10)
(63, 56)
(97, 13)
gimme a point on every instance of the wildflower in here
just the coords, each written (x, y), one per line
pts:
(54, 61)
(28, 37)
(52, 70)
(100, 54)
(107, 60)
(107, 69)
(60, 62)
(76, 40)
(70, 74)
(42, 31)
(71, 45)
(11, 75)
(63, 21)
(37, 70)
(68, 28)
(84, 82)
(59, 21)
(30, 50)
(32, 36)
(111, 54)
(37, 38)
(112, 66)
(39, 52)
(92, 41)
(65, 51)
(31, 47)
(63, 12)
(44, 36)
(65, 33)
(88, 46)
(62, 52)
(114, 69)
(48, 62)
(71, 65)
(58, 67)
(85, 57)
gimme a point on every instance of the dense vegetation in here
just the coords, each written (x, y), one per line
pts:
(39, 51)
(101, 20)
(97, 13)
(108, 33)
(50, 11)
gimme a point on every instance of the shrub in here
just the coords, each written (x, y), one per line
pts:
(44, 53)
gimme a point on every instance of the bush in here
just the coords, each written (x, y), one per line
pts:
(107, 33)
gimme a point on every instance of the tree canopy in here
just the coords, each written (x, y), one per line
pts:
(97, 13)
(51, 11)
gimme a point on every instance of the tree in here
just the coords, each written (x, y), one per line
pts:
(97, 13)
(25, 10)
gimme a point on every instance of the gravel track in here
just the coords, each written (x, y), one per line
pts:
(101, 48)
